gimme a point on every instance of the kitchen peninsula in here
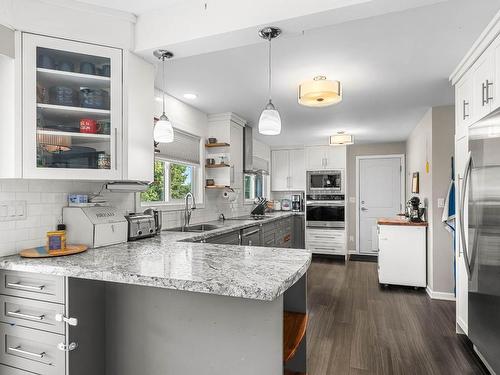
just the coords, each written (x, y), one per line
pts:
(165, 305)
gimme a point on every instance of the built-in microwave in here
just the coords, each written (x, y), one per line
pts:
(325, 182)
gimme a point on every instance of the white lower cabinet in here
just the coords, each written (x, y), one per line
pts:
(326, 241)
(462, 281)
(402, 255)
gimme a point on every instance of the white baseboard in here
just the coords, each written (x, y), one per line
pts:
(440, 295)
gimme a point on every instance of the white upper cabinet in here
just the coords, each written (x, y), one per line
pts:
(325, 157)
(297, 170)
(71, 110)
(463, 107)
(288, 170)
(280, 169)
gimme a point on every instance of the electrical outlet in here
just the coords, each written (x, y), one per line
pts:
(12, 210)
(352, 199)
(351, 238)
(440, 202)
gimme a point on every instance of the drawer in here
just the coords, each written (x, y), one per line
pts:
(6, 370)
(31, 285)
(31, 350)
(31, 313)
(325, 234)
(325, 249)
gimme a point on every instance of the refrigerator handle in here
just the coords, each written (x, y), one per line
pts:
(465, 253)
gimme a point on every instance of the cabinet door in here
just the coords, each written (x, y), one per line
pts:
(463, 106)
(462, 284)
(72, 110)
(236, 170)
(297, 170)
(335, 157)
(483, 80)
(315, 158)
(280, 170)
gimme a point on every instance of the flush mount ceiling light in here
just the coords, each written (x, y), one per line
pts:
(320, 92)
(270, 120)
(163, 130)
(190, 96)
(341, 139)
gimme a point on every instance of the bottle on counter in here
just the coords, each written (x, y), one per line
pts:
(56, 240)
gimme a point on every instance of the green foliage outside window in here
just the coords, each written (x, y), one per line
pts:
(156, 190)
(180, 180)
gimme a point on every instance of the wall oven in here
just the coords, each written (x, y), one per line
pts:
(325, 182)
(325, 211)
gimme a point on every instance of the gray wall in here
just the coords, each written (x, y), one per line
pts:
(432, 140)
(352, 152)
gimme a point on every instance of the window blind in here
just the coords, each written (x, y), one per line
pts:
(185, 148)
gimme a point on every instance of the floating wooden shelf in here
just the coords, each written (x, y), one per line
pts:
(216, 187)
(223, 165)
(210, 145)
(294, 329)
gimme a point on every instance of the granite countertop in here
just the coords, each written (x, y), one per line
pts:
(400, 221)
(252, 272)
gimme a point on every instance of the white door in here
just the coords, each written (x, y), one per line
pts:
(280, 170)
(297, 170)
(379, 196)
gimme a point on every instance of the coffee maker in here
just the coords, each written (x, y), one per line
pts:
(297, 202)
(414, 212)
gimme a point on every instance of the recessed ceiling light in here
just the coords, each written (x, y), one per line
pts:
(190, 96)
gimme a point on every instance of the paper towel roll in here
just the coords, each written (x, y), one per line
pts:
(229, 195)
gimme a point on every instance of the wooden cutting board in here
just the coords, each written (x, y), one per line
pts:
(42, 251)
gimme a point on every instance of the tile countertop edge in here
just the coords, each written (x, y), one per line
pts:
(193, 286)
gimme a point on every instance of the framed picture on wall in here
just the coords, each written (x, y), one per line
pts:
(415, 183)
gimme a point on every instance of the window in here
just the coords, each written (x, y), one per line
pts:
(176, 172)
(255, 186)
(172, 181)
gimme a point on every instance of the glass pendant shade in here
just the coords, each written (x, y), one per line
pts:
(319, 92)
(163, 131)
(270, 121)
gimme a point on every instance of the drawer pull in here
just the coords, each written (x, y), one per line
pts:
(19, 314)
(18, 350)
(67, 348)
(26, 287)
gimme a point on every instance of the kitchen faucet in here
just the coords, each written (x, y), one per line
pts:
(188, 211)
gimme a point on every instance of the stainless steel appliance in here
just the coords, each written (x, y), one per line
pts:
(141, 226)
(414, 212)
(250, 236)
(297, 202)
(158, 219)
(481, 184)
(325, 182)
(325, 211)
(95, 226)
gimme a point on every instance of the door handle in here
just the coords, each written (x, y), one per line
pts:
(488, 97)
(465, 105)
(364, 209)
(461, 211)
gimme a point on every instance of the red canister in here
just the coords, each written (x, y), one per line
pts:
(88, 125)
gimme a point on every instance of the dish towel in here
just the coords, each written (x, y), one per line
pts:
(448, 217)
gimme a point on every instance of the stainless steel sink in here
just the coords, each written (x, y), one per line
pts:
(194, 228)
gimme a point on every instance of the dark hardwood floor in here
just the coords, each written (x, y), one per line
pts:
(357, 327)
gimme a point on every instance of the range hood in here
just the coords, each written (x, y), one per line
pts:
(252, 164)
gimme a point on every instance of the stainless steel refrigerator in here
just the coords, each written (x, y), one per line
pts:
(482, 248)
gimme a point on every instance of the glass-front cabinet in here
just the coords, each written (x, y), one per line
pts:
(72, 109)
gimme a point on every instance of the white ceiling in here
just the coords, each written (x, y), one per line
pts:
(393, 67)
(136, 7)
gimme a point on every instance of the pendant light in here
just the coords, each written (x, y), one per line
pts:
(270, 120)
(163, 130)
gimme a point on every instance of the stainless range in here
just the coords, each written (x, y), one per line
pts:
(325, 211)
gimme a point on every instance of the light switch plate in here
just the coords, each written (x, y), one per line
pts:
(440, 202)
(12, 210)
(352, 199)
